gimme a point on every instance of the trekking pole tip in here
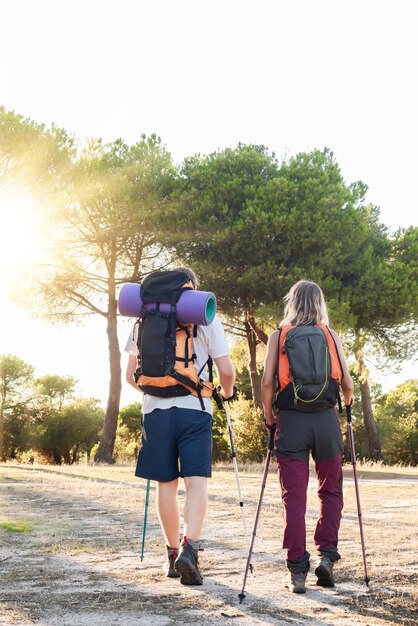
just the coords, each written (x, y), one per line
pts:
(367, 580)
(241, 597)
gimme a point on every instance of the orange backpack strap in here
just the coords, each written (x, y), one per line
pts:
(336, 367)
(283, 368)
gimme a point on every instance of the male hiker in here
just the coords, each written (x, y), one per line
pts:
(177, 437)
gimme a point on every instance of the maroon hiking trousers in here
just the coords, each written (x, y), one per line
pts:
(298, 435)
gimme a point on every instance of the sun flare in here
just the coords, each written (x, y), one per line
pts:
(19, 234)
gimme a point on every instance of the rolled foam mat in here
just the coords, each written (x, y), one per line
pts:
(193, 307)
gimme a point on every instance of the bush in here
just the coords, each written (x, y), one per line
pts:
(397, 417)
(128, 433)
(250, 435)
(221, 450)
(64, 435)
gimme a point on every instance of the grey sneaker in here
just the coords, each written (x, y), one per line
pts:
(325, 573)
(187, 565)
(169, 570)
(295, 582)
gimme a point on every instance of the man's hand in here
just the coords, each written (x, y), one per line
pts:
(227, 398)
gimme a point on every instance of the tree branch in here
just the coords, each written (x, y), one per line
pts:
(259, 332)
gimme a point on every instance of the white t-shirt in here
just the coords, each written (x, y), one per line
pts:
(210, 341)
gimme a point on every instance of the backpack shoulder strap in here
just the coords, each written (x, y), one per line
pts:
(336, 367)
(283, 368)
(278, 352)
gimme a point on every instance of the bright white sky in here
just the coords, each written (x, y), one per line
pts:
(206, 74)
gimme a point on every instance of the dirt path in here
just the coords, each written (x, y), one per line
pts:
(77, 563)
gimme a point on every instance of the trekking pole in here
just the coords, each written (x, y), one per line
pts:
(353, 460)
(241, 595)
(144, 528)
(234, 460)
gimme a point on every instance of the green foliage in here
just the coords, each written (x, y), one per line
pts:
(359, 429)
(15, 396)
(126, 445)
(64, 435)
(254, 227)
(130, 416)
(220, 235)
(32, 155)
(250, 435)
(221, 450)
(397, 417)
(128, 432)
(56, 388)
(15, 374)
(243, 381)
(239, 356)
(391, 268)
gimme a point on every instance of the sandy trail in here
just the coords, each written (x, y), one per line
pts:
(78, 563)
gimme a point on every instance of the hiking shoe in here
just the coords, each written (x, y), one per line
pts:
(169, 569)
(325, 573)
(187, 565)
(295, 582)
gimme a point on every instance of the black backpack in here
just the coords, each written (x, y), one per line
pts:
(166, 358)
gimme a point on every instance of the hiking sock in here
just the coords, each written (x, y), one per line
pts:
(194, 544)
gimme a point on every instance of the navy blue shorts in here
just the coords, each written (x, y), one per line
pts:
(175, 442)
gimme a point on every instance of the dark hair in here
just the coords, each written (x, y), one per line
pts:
(190, 273)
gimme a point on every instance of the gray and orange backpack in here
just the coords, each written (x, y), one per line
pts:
(309, 371)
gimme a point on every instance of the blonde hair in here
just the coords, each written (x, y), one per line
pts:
(305, 304)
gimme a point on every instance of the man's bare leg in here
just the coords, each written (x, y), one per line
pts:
(195, 505)
(168, 512)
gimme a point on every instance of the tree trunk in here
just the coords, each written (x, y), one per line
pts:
(261, 335)
(107, 440)
(2, 437)
(74, 454)
(57, 457)
(2, 405)
(255, 378)
(372, 431)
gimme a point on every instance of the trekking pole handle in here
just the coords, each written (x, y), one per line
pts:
(348, 411)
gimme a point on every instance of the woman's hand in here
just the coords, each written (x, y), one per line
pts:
(270, 422)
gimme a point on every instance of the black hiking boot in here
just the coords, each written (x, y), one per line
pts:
(187, 563)
(169, 570)
(325, 573)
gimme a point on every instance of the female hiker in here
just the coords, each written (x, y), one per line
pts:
(306, 364)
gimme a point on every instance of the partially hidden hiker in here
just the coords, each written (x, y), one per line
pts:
(177, 433)
(304, 369)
